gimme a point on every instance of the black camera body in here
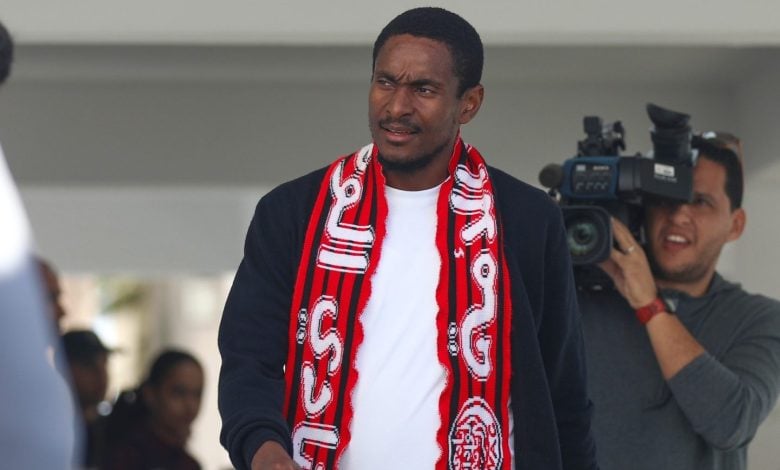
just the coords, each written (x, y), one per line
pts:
(599, 183)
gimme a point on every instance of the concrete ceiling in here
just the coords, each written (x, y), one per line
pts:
(182, 115)
(528, 64)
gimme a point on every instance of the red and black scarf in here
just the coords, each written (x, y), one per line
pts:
(341, 251)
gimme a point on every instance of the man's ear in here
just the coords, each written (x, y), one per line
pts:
(738, 220)
(471, 102)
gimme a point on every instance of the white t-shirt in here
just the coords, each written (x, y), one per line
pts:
(400, 379)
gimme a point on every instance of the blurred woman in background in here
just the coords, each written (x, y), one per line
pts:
(149, 427)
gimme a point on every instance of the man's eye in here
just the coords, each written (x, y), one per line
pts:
(424, 90)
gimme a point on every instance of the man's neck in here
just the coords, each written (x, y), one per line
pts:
(427, 176)
(694, 289)
(413, 184)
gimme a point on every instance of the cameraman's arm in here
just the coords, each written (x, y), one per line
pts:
(741, 387)
(672, 343)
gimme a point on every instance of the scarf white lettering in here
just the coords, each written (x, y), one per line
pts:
(340, 253)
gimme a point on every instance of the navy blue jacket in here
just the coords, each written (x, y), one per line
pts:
(550, 406)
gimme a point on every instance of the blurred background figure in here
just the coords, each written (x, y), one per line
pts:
(87, 359)
(37, 427)
(52, 291)
(149, 427)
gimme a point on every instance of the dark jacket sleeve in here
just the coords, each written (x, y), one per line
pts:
(254, 328)
(741, 382)
(562, 344)
(534, 226)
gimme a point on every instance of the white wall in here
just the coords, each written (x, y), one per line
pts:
(154, 231)
(758, 108)
(174, 221)
(757, 254)
(195, 306)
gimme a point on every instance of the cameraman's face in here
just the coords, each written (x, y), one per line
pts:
(685, 240)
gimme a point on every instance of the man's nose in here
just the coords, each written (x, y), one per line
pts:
(680, 214)
(400, 103)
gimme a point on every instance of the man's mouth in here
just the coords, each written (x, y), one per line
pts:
(399, 132)
(399, 129)
(676, 240)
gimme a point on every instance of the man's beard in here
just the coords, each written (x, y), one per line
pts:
(410, 165)
(687, 274)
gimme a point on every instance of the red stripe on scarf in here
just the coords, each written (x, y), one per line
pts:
(338, 261)
(471, 435)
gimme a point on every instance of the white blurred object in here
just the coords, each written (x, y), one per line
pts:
(15, 235)
(37, 415)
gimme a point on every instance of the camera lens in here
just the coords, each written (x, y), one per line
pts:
(588, 234)
(582, 237)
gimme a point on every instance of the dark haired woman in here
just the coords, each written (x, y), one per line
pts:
(149, 428)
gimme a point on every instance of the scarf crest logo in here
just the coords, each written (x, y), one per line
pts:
(475, 442)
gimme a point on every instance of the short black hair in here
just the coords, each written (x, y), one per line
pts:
(165, 362)
(83, 347)
(438, 24)
(6, 53)
(722, 153)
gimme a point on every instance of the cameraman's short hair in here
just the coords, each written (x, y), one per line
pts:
(724, 153)
(6, 53)
(438, 24)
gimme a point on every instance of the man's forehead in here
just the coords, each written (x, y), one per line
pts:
(401, 41)
(415, 59)
(709, 177)
(406, 40)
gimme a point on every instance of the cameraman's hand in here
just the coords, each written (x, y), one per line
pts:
(629, 269)
(272, 456)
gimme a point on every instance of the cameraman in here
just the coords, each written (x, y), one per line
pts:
(683, 364)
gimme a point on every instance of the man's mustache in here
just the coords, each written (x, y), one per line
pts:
(404, 124)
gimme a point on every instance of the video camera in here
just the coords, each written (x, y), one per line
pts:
(599, 183)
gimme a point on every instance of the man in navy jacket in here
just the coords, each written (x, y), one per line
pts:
(425, 84)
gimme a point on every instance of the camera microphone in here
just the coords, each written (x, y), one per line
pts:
(551, 176)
